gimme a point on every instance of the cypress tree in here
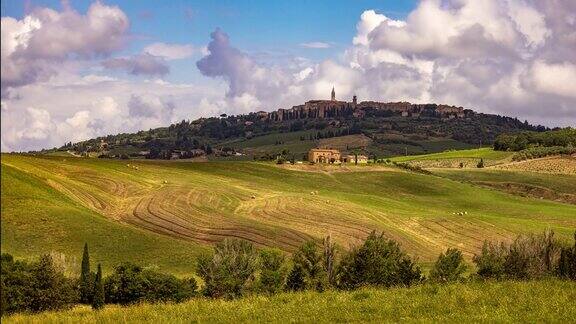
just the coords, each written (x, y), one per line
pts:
(98, 298)
(86, 280)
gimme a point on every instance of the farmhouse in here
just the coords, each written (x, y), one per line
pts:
(326, 155)
(319, 155)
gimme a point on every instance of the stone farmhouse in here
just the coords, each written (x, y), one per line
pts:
(326, 155)
(319, 155)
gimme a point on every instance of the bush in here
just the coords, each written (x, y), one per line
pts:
(35, 286)
(230, 271)
(490, 261)
(567, 262)
(410, 167)
(527, 257)
(272, 272)
(295, 280)
(378, 262)
(309, 261)
(448, 267)
(480, 164)
(130, 284)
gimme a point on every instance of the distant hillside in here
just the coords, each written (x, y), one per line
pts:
(381, 129)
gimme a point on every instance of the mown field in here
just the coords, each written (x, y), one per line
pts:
(550, 301)
(162, 214)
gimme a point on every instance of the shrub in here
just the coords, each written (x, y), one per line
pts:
(272, 272)
(448, 267)
(527, 257)
(34, 286)
(490, 261)
(480, 164)
(230, 271)
(130, 284)
(410, 167)
(378, 262)
(308, 260)
(295, 280)
(567, 262)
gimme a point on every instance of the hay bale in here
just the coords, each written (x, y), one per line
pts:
(253, 197)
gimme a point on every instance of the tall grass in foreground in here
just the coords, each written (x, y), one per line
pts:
(507, 301)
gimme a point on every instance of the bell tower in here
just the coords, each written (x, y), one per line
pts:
(333, 98)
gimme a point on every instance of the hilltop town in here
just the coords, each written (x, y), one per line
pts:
(367, 127)
(336, 108)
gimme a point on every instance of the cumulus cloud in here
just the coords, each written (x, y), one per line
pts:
(75, 108)
(170, 51)
(513, 57)
(139, 64)
(31, 46)
(243, 74)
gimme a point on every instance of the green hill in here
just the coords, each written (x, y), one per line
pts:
(163, 213)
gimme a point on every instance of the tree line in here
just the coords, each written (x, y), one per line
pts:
(237, 268)
(565, 137)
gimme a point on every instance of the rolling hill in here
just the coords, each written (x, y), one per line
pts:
(163, 213)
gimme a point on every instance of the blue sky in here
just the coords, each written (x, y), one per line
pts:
(74, 70)
(255, 26)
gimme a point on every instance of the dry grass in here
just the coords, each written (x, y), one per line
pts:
(552, 165)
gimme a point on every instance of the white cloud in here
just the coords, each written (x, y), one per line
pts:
(34, 46)
(511, 57)
(555, 79)
(316, 45)
(170, 51)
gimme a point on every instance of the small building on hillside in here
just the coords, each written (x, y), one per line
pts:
(351, 158)
(319, 155)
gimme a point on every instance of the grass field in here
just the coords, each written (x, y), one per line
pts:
(163, 213)
(453, 158)
(550, 301)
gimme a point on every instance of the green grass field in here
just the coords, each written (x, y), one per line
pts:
(161, 214)
(550, 301)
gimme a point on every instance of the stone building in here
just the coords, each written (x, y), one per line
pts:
(333, 108)
(319, 155)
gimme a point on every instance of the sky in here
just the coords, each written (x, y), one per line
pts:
(74, 70)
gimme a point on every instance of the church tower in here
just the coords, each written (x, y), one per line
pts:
(333, 94)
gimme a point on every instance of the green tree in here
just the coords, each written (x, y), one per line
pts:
(86, 278)
(98, 297)
(377, 262)
(448, 267)
(272, 271)
(295, 280)
(310, 260)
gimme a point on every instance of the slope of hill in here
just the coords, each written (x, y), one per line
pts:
(502, 302)
(162, 213)
(387, 130)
